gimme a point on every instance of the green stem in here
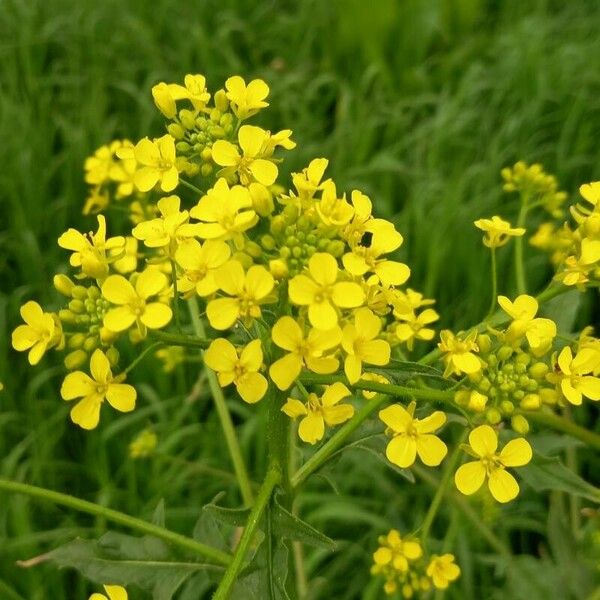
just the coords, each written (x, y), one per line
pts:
(142, 355)
(174, 339)
(175, 295)
(559, 423)
(383, 388)
(233, 445)
(450, 467)
(237, 562)
(191, 186)
(519, 259)
(494, 286)
(320, 457)
(213, 554)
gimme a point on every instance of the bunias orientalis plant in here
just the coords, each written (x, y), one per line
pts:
(294, 298)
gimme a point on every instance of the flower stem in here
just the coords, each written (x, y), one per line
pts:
(142, 355)
(175, 295)
(519, 259)
(272, 478)
(174, 339)
(192, 187)
(213, 554)
(226, 423)
(494, 285)
(561, 424)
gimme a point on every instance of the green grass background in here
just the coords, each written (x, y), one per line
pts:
(419, 103)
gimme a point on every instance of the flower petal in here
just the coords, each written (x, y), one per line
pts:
(86, 413)
(285, 371)
(100, 367)
(311, 428)
(516, 453)
(503, 485)
(431, 449)
(77, 385)
(251, 387)
(469, 477)
(483, 440)
(156, 315)
(222, 313)
(118, 290)
(119, 319)
(121, 396)
(402, 451)
(396, 417)
(221, 355)
(287, 334)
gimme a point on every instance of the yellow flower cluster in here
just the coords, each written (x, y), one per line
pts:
(405, 569)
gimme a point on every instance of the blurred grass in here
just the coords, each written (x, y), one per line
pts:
(417, 103)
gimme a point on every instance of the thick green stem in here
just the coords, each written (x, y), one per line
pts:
(559, 423)
(519, 258)
(216, 556)
(174, 339)
(233, 445)
(237, 562)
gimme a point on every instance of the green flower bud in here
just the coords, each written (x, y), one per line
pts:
(518, 395)
(296, 252)
(206, 169)
(484, 342)
(113, 356)
(176, 131)
(549, 396)
(90, 344)
(216, 132)
(206, 154)
(94, 293)
(202, 123)
(539, 370)
(79, 292)
(63, 284)
(226, 121)
(336, 248)
(75, 359)
(253, 249)
(520, 424)
(183, 147)
(187, 118)
(493, 416)
(507, 407)
(461, 397)
(77, 306)
(277, 225)
(504, 353)
(531, 402)
(76, 341)
(267, 242)
(66, 316)
(215, 115)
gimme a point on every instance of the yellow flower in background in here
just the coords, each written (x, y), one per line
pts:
(41, 331)
(318, 412)
(132, 302)
(443, 570)
(497, 231)
(503, 486)
(114, 592)
(240, 369)
(157, 160)
(90, 251)
(94, 390)
(226, 212)
(575, 376)
(171, 357)
(361, 346)
(144, 444)
(459, 355)
(364, 258)
(249, 166)
(200, 264)
(321, 291)
(246, 100)
(395, 554)
(249, 291)
(171, 227)
(540, 332)
(415, 327)
(302, 351)
(412, 437)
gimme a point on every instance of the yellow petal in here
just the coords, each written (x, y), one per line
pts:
(396, 417)
(392, 273)
(321, 340)
(285, 371)
(431, 449)
(322, 315)
(589, 387)
(156, 315)
(402, 451)
(335, 415)
(431, 423)
(169, 180)
(231, 278)
(516, 453)
(286, 333)
(251, 139)
(221, 355)
(225, 154)
(86, 413)
(150, 282)
(251, 356)
(302, 290)
(222, 313)
(115, 592)
(334, 393)
(311, 428)
(119, 319)
(503, 485)
(32, 313)
(100, 367)
(294, 408)
(24, 337)
(118, 290)
(347, 294)
(251, 387)
(367, 323)
(264, 171)
(565, 358)
(146, 178)
(375, 352)
(483, 440)
(469, 477)
(121, 396)
(259, 282)
(323, 268)
(77, 385)
(352, 368)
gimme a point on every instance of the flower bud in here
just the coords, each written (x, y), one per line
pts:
(164, 100)
(79, 292)
(187, 118)
(90, 344)
(549, 396)
(176, 131)
(504, 353)
(76, 340)
(262, 199)
(63, 284)
(113, 356)
(519, 424)
(77, 306)
(507, 407)
(221, 101)
(538, 370)
(183, 147)
(484, 342)
(75, 359)
(278, 268)
(531, 402)
(477, 401)
(493, 416)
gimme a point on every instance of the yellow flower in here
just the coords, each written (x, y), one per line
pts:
(157, 160)
(200, 264)
(246, 100)
(366, 256)
(144, 444)
(308, 182)
(249, 291)
(93, 390)
(574, 378)
(483, 442)
(413, 436)
(41, 332)
(126, 258)
(333, 211)
(395, 553)
(459, 354)
(318, 412)
(98, 167)
(114, 592)
(375, 377)
(165, 95)
(240, 369)
(132, 302)
(540, 333)
(226, 212)
(302, 351)
(442, 570)
(90, 251)
(321, 291)
(361, 346)
(250, 166)
(415, 326)
(497, 231)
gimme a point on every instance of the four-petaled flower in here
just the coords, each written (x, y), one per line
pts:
(200, 264)
(132, 302)
(309, 351)
(415, 327)
(41, 331)
(412, 437)
(249, 165)
(249, 291)
(359, 341)
(497, 231)
(318, 412)
(459, 354)
(157, 160)
(246, 100)
(442, 570)
(574, 374)
(322, 292)
(94, 390)
(483, 442)
(240, 369)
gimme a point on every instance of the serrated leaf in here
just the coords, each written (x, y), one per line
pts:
(229, 516)
(288, 526)
(548, 473)
(127, 560)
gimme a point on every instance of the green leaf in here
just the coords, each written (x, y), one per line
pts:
(548, 473)
(229, 516)
(289, 526)
(127, 560)
(158, 517)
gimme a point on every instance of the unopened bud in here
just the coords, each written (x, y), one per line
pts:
(75, 359)
(63, 284)
(520, 424)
